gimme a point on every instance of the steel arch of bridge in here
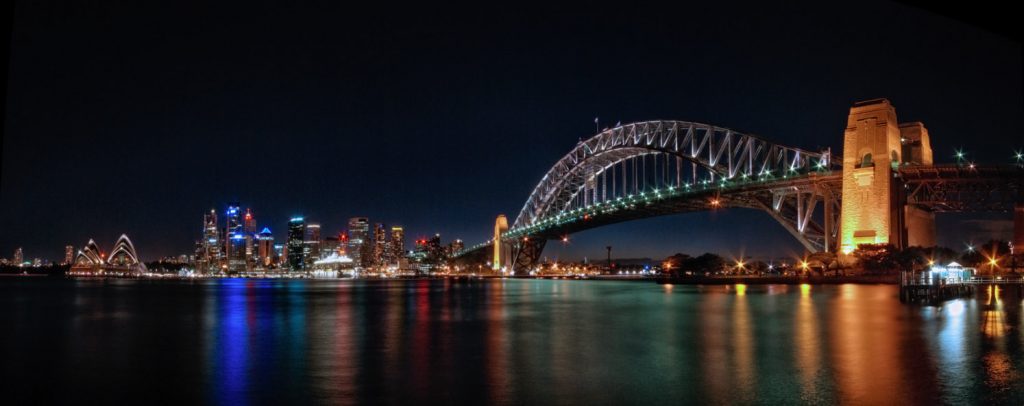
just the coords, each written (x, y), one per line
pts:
(722, 152)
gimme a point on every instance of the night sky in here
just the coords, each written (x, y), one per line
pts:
(139, 118)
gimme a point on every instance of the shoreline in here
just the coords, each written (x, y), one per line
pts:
(689, 280)
(783, 280)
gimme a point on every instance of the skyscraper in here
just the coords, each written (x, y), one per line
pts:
(249, 228)
(19, 257)
(265, 251)
(250, 222)
(329, 246)
(311, 246)
(455, 247)
(235, 239)
(358, 234)
(397, 244)
(296, 243)
(69, 254)
(380, 245)
(211, 255)
(280, 257)
(343, 244)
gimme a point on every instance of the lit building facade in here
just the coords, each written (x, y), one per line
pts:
(330, 246)
(358, 235)
(69, 254)
(249, 228)
(265, 248)
(280, 255)
(311, 244)
(210, 255)
(380, 245)
(397, 244)
(235, 241)
(296, 243)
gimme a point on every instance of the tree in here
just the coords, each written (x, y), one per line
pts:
(674, 262)
(706, 262)
(876, 257)
(912, 258)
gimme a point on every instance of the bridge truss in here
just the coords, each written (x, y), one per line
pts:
(655, 168)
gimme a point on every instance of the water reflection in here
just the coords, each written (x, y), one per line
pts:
(807, 346)
(743, 338)
(504, 341)
(993, 320)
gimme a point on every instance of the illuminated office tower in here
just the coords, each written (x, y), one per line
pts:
(397, 244)
(209, 255)
(249, 228)
(265, 251)
(311, 246)
(343, 244)
(69, 254)
(455, 247)
(380, 244)
(296, 244)
(280, 254)
(329, 246)
(250, 222)
(234, 239)
(358, 234)
(19, 256)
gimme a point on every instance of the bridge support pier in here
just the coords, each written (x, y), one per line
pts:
(875, 209)
(526, 254)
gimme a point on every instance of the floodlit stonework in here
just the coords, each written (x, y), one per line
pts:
(874, 211)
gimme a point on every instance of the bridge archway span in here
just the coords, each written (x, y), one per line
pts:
(717, 152)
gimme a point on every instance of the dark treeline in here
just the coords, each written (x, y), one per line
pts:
(992, 256)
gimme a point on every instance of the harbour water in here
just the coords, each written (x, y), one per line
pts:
(235, 341)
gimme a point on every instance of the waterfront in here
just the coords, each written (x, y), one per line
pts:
(500, 341)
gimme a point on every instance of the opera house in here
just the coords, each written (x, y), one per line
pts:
(122, 261)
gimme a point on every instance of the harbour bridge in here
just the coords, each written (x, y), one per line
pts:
(885, 189)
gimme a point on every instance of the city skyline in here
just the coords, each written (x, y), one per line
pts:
(416, 128)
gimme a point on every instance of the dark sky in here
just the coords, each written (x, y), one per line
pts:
(138, 118)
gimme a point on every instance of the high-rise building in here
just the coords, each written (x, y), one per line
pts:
(434, 249)
(69, 254)
(210, 256)
(397, 244)
(311, 244)
(249, 224)
(296, 243)
(265, 251)
(235, 239)
(358, 240)
(280, 254)
(455, 247)
(249, 228)
(330, 246)
(343, 244)
(19, 257)
(380, 245)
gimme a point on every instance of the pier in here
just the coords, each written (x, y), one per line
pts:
(941, 283)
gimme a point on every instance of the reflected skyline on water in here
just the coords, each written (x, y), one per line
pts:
(503, 341)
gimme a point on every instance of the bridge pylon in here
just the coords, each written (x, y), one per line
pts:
(500, 259)
(874, 208)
